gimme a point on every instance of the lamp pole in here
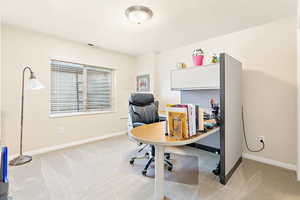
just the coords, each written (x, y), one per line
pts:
(22, 159)
(22, 106)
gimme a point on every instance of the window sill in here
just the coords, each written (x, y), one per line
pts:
(80, 114)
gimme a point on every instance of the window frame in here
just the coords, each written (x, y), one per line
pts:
(70, 114)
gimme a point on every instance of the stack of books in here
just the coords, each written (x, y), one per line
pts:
(184, 120)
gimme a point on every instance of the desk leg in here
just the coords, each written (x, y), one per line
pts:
(159, 172)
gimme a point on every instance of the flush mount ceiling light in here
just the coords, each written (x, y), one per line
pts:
(138, 14)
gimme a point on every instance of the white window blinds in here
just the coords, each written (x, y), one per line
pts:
(80, 88)
(98, 89)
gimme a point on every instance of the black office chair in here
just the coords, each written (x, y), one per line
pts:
(144, 110)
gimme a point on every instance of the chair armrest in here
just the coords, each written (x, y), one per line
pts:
(161, 119)
(136, 124)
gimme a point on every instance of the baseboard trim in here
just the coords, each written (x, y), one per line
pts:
(270, 162)
(70, 144)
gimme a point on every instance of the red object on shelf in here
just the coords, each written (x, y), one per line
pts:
(198, 60)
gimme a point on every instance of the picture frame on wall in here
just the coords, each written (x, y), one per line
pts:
(143, 83)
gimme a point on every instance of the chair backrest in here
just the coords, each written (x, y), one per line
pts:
(143, 108)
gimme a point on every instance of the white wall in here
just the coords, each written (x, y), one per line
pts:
(0, 82)
(24, 48)
(298, 90)
(146, 65)
(268, 54)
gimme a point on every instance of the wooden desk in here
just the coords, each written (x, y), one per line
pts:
(155, 134)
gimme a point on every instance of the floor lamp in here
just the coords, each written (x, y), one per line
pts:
(33, 84)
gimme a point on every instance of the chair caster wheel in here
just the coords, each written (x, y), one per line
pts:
(144, 172)
(131, 161)
(216, 172)
(170, 169)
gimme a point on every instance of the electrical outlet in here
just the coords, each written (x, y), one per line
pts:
(261, 138)
(60, 130)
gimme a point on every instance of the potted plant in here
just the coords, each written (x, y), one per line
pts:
(198, 57)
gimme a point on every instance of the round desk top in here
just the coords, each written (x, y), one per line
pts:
(155, 134)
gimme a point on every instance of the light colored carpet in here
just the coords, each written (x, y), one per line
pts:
(100, 171)
(185, 169)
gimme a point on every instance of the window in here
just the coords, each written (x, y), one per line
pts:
(77, 88)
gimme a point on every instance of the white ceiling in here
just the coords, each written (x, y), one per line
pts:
(175, 22)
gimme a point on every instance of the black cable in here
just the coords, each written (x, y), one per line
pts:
(244, 131)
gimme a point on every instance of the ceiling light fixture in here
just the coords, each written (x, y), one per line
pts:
(138, 14)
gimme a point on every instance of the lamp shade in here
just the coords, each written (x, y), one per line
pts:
(34, 84)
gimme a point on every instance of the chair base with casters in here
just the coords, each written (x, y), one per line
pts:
(217, 171)
(143, 109)
(150, 155)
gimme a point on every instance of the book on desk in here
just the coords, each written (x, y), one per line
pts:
(185, 120)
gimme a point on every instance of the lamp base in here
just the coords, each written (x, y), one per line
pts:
(20, 160)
